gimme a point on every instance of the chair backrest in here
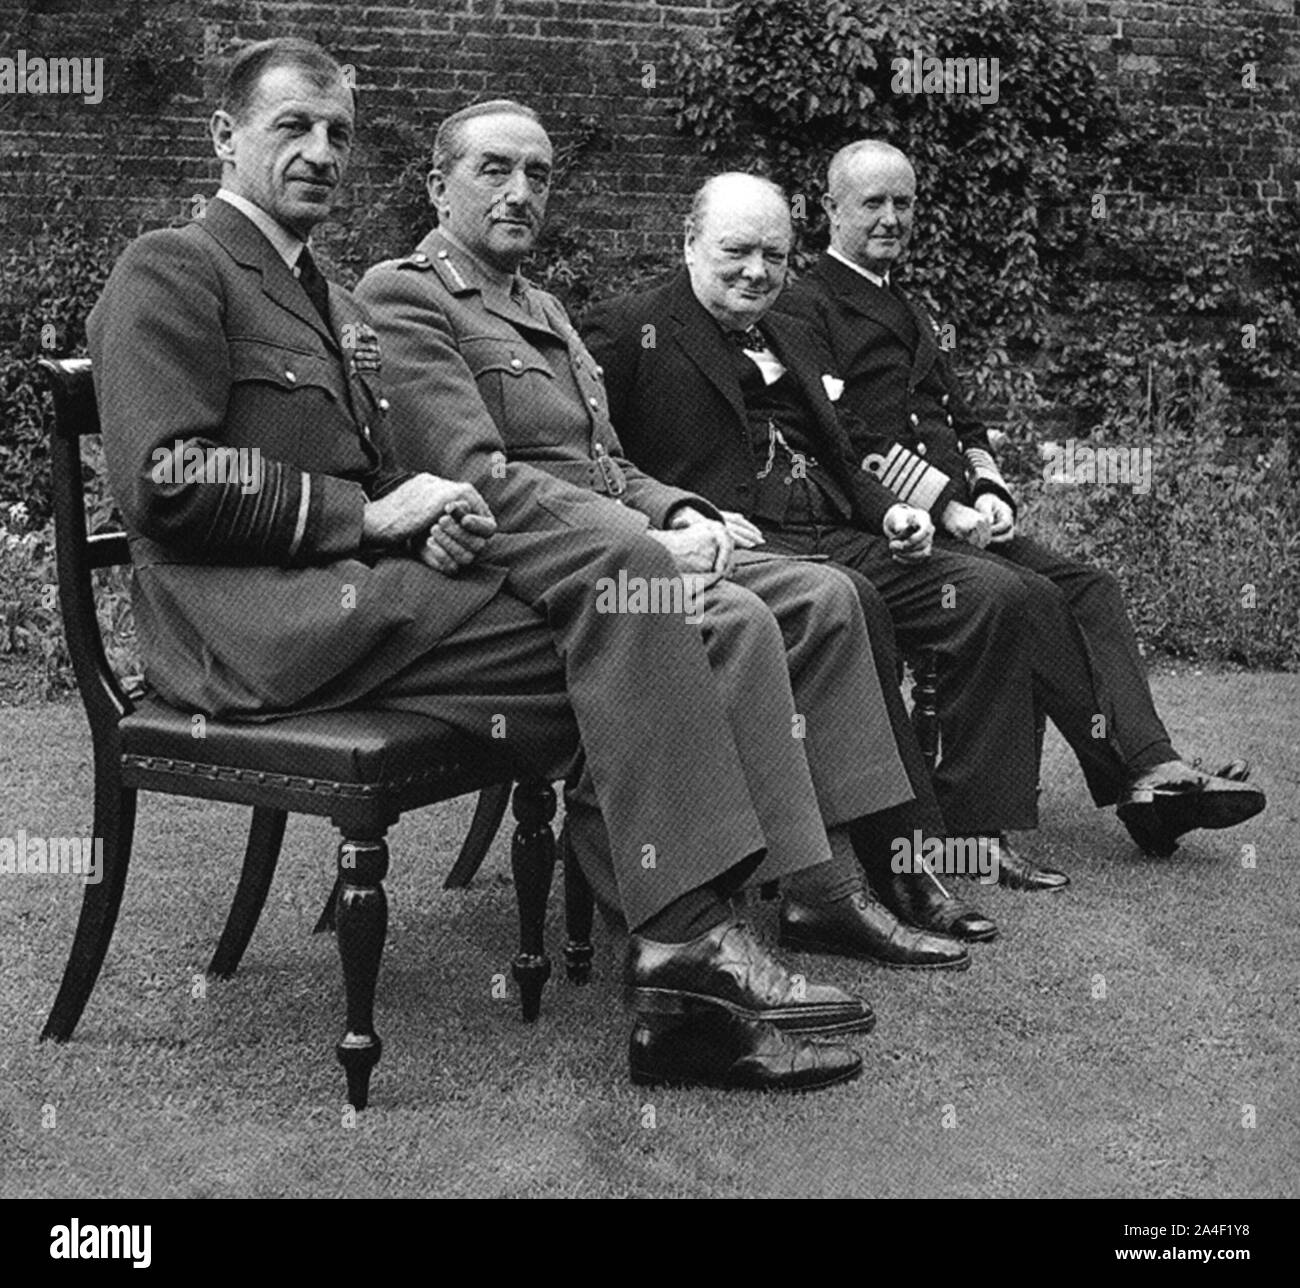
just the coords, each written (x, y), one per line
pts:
(78, 554)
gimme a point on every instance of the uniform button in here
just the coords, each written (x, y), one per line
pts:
(920, 449)
(365, 429)
(384, 404)
(516, 364)
(915, 419)
(594, 401)
(944, 400)
(600, 371)
(289, 376)
(597, 447)
(950, 420)
(421, 258)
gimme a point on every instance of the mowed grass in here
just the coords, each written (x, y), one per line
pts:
(1114, 1042)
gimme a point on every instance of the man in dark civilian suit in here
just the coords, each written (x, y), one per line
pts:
(328, 576)
(491, 383)
(911, 426)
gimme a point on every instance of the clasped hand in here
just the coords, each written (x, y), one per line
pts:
(698, 545)
(452, 519)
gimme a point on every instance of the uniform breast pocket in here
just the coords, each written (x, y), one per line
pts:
(515, 382)
(280, 398)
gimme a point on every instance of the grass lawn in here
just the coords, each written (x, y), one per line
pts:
(1113, 1042)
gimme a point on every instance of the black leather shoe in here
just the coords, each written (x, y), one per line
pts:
(1162, 803)
(729, 970)
(720, 1049)
(860, 927)
(921, 899)
(1019, 873)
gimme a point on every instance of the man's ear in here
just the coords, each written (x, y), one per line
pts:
(222, 129)
(828, 205)
(435, 185)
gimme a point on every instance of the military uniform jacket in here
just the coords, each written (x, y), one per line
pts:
(539, 433)
(252, 600)
(902, 405)
(676, 401)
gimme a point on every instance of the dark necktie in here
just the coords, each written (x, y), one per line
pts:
(519, 298)
(314, 284)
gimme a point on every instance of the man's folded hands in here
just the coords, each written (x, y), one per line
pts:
(452, 518)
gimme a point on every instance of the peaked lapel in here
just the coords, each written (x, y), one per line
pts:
(242, 240)
(927, 351)
(700, 339)
(857, 295)
(885, 306)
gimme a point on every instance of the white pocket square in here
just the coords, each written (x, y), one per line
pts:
(834, 387)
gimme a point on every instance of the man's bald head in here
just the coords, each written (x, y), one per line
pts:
(870, 201)
(738, 236)
(873, 152)
(733, 189)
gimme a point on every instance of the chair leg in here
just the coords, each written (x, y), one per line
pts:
(114, 827)
(532, 859)
(579, 912)
(488, 813)
(265, 836)
(362, 922)
(925, 708)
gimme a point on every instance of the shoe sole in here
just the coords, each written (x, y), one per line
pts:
(1179, 813)
(1025, 888)
(827, 1078)
(662, 1001)
(984, 938)
(799, 945)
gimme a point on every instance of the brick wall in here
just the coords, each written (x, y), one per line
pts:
(1240, 141)
(598, 72)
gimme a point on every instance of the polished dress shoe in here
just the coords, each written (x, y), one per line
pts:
(921, 899)
(719, 1049)
(860, 927)
(1019, 873)
(729, 970)
(1163, 802)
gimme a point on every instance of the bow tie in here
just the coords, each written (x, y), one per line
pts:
(750, 338)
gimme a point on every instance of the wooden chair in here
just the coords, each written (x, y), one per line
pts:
(360, 768)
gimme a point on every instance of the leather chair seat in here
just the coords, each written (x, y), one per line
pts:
(356, 745)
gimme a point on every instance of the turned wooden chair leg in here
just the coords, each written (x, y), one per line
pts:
(114, 826)
(925, 705)
(532, 859)
(265, 836)
(488, 813)
(362, 924)
(579, 912)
